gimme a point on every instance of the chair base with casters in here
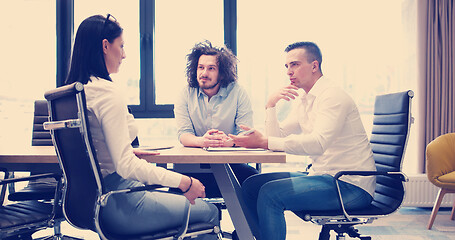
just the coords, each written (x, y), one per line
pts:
(342, 228)
(70, 130)
(391, 125)
(339, 224)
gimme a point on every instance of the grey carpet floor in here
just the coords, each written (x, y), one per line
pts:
(406, 224)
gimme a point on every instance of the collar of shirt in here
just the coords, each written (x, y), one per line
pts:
(93, 78)
(321, 84)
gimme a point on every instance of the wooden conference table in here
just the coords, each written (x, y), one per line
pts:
(43, 158)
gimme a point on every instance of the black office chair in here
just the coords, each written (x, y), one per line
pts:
(391, 124)
(41, 189)
(82, 177)
(40, 136)
(19, 220)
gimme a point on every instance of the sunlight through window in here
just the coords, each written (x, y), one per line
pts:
(128, 17)
(368, 48)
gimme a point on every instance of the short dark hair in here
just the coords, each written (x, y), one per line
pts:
(312, 51)
(226, 60)
(88, 56)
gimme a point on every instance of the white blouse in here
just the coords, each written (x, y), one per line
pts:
(113, 129)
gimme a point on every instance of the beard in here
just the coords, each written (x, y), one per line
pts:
(208, 85)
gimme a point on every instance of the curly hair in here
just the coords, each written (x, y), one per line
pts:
(226, 60)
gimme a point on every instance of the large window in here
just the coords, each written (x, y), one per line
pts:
(173, 31)
(177, 29)
(368, 48)
(128, 17)
(28, 64)
(157, 37)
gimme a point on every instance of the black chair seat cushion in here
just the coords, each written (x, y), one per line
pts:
(27, 212)
(42, 189)
(172, 232)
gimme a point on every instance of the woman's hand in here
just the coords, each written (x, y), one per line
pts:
(140, 152)
(193, 188)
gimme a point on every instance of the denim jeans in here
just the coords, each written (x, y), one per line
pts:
(145, 212)
(268, 195)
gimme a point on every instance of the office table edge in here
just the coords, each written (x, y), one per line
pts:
(46, 154)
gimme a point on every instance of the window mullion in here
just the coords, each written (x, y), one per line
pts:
(230, 24)
(65, 30)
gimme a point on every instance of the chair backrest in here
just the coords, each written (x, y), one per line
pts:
(40, 136)
(73, 144)
(440, 156)
(391, 124)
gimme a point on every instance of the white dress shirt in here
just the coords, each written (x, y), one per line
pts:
(113, 129)
(325, 125)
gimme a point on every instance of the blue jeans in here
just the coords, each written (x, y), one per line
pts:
(268, 195)
(145, 212)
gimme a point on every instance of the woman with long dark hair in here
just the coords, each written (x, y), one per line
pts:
(97, 53)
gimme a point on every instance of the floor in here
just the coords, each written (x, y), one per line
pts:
(406, 224)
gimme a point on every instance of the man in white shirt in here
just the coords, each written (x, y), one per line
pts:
(324, 125)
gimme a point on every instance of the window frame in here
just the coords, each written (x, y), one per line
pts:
(147, 97)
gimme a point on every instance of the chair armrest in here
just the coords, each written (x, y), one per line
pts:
(33, 177)
(70, 123)
(402, 176)
(105, 197)
(22, 179)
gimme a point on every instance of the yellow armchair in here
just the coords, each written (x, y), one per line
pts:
(440, 166)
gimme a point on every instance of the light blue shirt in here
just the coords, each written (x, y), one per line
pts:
(225, 111)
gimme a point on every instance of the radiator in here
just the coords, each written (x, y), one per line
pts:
(420, 192)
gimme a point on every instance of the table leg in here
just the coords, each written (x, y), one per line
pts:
(232, 194)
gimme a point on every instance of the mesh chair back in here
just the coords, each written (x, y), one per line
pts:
(76, 155)
(40, 137)
(389, 136)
